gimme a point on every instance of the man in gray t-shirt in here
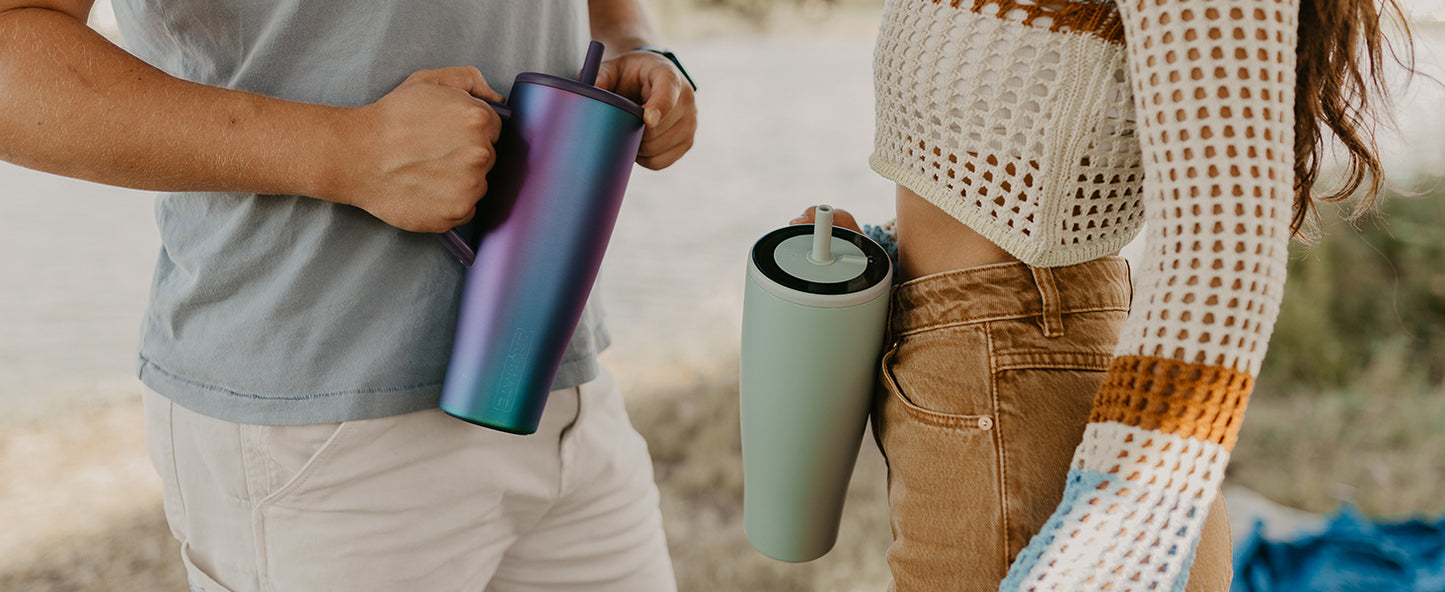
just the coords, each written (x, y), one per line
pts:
(301, 311)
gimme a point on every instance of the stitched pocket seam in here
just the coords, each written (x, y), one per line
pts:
(309, 469)
(927, 416)
(1020, 360)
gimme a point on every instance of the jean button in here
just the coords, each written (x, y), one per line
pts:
(985, 423)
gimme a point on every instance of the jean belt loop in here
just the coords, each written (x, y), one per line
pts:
(1053, 319)
(890, 331)
(1129, 279)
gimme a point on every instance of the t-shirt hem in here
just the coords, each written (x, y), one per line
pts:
(229, 405)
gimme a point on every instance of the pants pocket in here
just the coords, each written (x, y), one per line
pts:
(196, 578)
(944, 492)
(290, 454)
(405, 502)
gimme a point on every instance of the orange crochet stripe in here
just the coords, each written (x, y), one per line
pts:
(1097, 18)
(1173, 397)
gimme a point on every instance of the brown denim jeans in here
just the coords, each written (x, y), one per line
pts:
(988, 382)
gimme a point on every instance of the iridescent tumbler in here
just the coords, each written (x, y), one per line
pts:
(563, 161)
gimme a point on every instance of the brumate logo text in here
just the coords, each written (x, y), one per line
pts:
(518, 353)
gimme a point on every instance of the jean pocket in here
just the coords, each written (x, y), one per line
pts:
(941, 378)
(945, 499)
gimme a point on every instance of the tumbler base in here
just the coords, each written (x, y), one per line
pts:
(520, 431)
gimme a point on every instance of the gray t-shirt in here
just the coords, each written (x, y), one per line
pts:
(278, 309)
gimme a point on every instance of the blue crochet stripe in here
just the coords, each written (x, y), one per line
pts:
(1081, 485)
(1183, 578)
(885, 240)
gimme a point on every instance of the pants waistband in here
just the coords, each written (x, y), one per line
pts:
(1010, 290)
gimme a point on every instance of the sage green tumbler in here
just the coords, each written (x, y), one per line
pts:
(814, 313)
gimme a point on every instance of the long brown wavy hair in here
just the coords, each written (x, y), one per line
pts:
(1340, 79)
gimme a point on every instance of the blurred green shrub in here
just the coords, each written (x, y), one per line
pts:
(1365, 304)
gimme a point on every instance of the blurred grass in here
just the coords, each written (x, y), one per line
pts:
(1367, 298)
(696, 451)
(1350, 404)
(1382, 449)
(80, 506)
(132, 554)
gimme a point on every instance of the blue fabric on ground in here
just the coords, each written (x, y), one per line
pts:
(1353, 554)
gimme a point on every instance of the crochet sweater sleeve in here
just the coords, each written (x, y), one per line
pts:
(1213, 84)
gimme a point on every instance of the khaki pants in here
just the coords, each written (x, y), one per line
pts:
(989, 382)
(419, 503)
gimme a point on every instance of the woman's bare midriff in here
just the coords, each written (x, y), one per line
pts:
(931, 241)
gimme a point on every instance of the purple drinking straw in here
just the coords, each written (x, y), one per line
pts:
(591, 65)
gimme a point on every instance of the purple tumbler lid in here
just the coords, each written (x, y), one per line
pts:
(584, 85)
(453, 239)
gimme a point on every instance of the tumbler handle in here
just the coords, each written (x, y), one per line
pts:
(591, 65)
(453, 239)
(502, 110)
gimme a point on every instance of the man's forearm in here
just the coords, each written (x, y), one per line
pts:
(76, 105)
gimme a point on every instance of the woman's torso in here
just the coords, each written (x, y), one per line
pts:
(1009, 127)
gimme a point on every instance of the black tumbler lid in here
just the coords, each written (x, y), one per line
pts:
(765, 258)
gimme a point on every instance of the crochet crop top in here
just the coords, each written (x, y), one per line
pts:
(1057, 128)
